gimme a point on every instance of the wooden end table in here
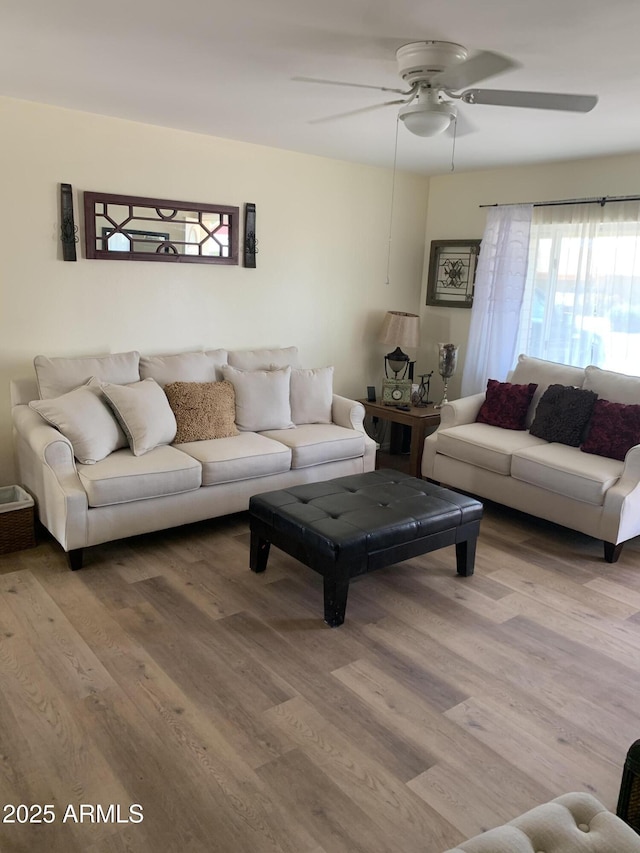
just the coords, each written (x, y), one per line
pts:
(418, 418)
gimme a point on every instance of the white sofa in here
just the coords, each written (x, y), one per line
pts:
(172, 484)
(593, 494)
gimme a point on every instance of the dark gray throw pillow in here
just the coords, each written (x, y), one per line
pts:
(563, 414)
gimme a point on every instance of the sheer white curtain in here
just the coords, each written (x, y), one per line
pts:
(582, 297)
(498, 295)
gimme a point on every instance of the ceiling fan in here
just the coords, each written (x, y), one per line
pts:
(433, 69)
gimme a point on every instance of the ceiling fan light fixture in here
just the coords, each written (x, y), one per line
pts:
(427, 119)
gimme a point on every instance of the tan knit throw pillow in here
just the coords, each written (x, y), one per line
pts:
(202, 409)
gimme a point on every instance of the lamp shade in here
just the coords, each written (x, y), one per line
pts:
(400, 329)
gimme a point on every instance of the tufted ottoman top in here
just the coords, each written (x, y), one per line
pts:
(352, 517)
(573, 823)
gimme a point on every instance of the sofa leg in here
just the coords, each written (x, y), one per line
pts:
(74, 559)
(612, 552)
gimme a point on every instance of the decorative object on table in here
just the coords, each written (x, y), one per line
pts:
(403, 330)
(396, 392)
(452, 273)
(68, 228)
(421, 397)
(447, 363)
(132, 228)
(250, 242)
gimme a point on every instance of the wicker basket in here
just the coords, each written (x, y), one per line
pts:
(16, 520)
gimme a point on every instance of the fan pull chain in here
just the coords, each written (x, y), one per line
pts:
(393, 191)
(453, 147)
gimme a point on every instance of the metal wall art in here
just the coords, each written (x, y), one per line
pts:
(68, 228)
(131, 228)
(250, 241)
(452, 272)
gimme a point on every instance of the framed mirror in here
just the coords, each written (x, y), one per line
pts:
(132, 228)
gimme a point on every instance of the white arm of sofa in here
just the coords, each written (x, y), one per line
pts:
(457, 412)
(350, 414)
(347, 413)
(621, 511)
(47, 468)
(462, 411)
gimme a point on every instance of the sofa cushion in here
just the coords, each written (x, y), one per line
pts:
(311, 395)
(484, 445)
(262, 398)
(613, 430)
(84, 418)
(608, 385)
(566, 471)
(143, 412)
(183, 367)
(264, 359)
(563, 413)
(544, 373)
(240, 457)
(315, 444)
(203, 410)
(124, 478)
(56, 376)
(506, 404)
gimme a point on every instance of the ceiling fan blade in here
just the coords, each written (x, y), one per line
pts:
(352, 85)
(534, 100)
(483, 65)
(353, 112)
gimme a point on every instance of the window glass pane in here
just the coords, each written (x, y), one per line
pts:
(582, 297)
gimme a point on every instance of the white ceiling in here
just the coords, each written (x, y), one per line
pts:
(226, 69)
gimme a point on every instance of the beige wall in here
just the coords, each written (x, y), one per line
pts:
(320, 283)
(454, 213)
(323, 230)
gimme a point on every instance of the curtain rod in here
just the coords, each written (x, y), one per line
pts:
(601, 200)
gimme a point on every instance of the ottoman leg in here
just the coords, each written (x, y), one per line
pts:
(258, 553)
(335, 601)
(466, 556)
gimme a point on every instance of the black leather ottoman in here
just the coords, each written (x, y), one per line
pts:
(345, 527)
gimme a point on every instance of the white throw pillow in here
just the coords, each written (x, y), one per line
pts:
(615, 387)
(143, 412)
(311, 395)
(262, 398)
(56, 376)
(84, 418)
(183, 367)
(264, 359)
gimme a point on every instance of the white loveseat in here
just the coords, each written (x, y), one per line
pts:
(172, 484)
(593, 494)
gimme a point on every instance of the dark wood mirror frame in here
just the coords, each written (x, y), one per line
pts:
(215, 227)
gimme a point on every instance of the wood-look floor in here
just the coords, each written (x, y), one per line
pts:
(166, 674)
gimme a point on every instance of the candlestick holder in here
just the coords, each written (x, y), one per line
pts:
(447, 363)
(420, 398)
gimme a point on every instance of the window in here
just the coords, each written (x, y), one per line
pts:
(581, 302)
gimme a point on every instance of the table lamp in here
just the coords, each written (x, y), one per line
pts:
(403, 330)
